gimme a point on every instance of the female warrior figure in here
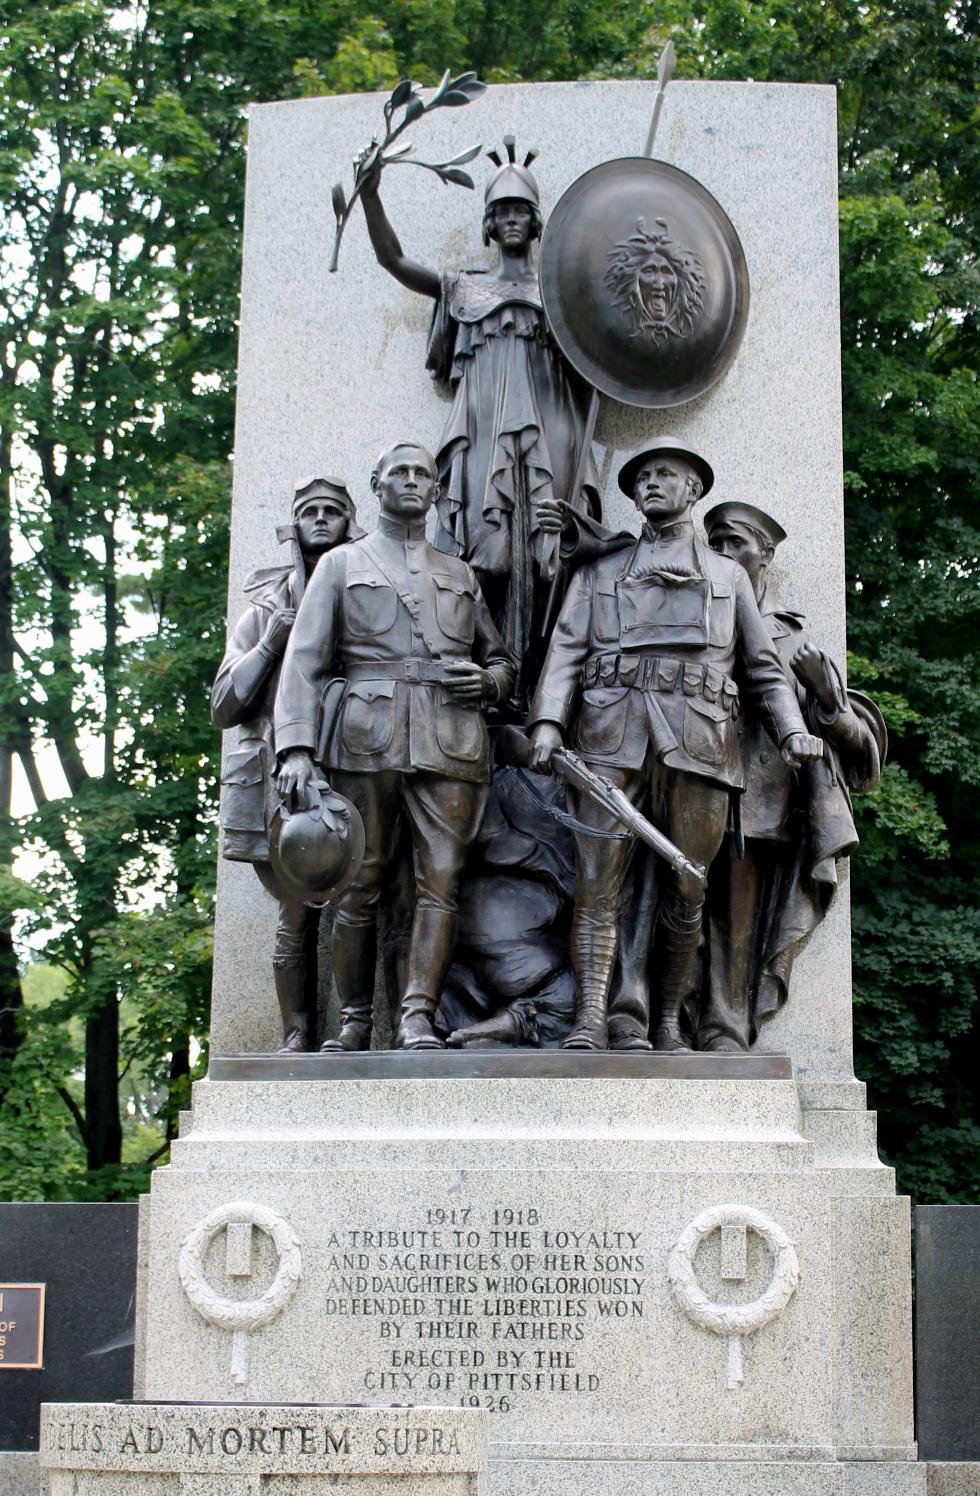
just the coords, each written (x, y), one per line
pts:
(508, 455)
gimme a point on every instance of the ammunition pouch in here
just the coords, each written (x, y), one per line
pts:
(663, 674)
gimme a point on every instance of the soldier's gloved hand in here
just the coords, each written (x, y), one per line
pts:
(550, 516)
(801, 748)
(278, 630)
(467, 681)
(296, 772)
(546, 739)
(811, 669)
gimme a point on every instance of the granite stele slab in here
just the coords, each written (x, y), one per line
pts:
(243, 1449)
(332, 369)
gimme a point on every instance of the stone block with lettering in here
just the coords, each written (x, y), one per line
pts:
(229, 1449)
(620, 1271)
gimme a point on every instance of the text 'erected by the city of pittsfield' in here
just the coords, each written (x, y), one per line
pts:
(482, 1309)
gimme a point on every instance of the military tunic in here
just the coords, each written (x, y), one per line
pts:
(363, 688)
(363, 681)
(650, 651)
(646, 661)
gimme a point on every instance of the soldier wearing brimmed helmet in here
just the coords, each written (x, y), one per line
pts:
(507, 457)
(244, 692)
(642, 664)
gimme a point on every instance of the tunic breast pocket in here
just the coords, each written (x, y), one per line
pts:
(602, 720)
(721, 614)
(369, 716)
(460, 731)
(370, 605)
(454, 607)
(605, 616)
(709, 733)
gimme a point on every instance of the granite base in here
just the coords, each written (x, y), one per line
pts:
(19, 1473)
(953, 1478)
(575, 1255)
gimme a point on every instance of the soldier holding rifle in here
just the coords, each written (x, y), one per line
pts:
(644, 657)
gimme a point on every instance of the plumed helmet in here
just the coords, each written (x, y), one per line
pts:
(512, 181)
(317, 852)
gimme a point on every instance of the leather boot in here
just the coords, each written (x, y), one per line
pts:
(415, 1030)
(355, 954)
(506, 1028)
(291, 992)
(429, 953)
(593, 957)
(679, 932)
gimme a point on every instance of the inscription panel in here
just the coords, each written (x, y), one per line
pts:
(21, 1326)
(480, 1309)
(229, 1438)
(542, 1298)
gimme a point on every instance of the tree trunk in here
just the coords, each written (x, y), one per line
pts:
(103, 1130)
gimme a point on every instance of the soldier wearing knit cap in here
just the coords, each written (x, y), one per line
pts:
(243, 695)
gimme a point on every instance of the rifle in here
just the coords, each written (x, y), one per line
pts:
(514, 748)
(297, 582)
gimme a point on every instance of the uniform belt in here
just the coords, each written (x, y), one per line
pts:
(431, 672)
(662, 673)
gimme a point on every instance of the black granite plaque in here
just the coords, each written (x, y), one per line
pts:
(947, 1331)
(84, 1258)
(21, 1326)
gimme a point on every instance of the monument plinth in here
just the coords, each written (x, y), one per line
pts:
(678, 1272)
(248, 1449)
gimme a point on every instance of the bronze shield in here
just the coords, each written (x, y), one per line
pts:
(644, 282)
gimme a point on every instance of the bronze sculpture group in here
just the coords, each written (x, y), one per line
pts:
(382, 682)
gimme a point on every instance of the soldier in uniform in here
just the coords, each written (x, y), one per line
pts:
(765, 899)
(644, 659)
(242, 696)
(391, 659)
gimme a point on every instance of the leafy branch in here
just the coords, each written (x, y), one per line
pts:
(407, 97)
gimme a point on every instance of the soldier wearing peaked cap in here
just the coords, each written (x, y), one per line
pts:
(765, 903)
(390, 663)
(642, 669)
(243, 695)
(508, 454)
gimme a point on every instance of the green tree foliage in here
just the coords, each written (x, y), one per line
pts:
(121, 161)
(907, 76)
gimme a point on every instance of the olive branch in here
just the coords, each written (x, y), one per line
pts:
(407, 96)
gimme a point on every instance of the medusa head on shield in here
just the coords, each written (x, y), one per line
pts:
(657, 285)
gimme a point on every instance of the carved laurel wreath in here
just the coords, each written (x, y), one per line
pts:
(240, 1316)
(732, 1320)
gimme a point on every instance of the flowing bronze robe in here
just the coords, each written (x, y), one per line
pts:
(512, 438)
